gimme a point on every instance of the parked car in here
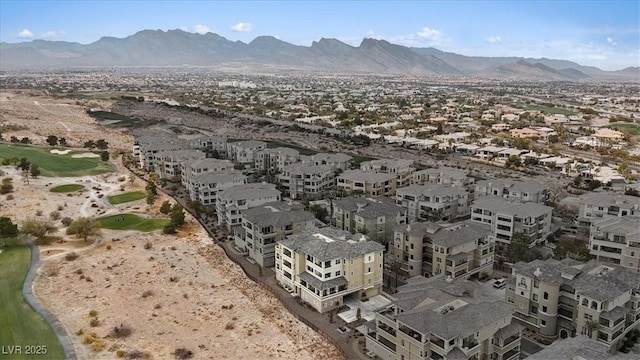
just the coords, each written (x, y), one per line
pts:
(500, 283)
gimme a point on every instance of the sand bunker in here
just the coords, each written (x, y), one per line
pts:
(85, 155)
(60, 152)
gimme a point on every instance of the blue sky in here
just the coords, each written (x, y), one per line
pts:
(600, 33)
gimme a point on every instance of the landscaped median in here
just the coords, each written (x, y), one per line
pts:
(131, 222)
(22, 330)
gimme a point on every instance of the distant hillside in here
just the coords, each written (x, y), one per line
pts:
(179, 48)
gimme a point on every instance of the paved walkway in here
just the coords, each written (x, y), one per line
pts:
(27, 293)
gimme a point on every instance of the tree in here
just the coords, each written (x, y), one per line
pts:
(177, 215)
(104, 156)
(38, 228)
(34, 170)
(84, 228)
(102, 144)
(24, 164)
(319, 212)
(518, 250)
(62, 142)
(25, 140)
(165, 208)
(89, 144)
(358, 314)
(571, 248)
(52, 140)
(7, 228)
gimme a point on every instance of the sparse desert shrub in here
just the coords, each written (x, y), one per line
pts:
(183, 354)
(38, 212)
(54, 215)
(185, 295)
(108, 247)
(133, 354)
(98, 345)
(93, 313)
(148, 245)
(157, 306)
(120, 353)
(90, 338)
(173, 279)
(147, 293)
(229, 326)
(10, 197)
(71, 256)
(79, 271)
(80, 332)
(94, 322)
(121, 331)
(60, 207)
(66, 221)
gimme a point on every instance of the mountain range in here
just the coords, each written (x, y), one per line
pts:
(267, 53)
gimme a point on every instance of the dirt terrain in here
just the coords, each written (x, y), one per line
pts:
(178, 292)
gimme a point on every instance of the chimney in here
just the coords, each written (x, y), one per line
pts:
(537, 273)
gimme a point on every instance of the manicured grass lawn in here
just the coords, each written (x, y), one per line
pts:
(20, 325)
(66, 188)
(545, 109)
(357, 159)
(126, 197)
(55, 164)
(302, 150)
(627, 128)
(131, 222)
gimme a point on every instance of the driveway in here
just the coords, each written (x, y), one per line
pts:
(367, 308)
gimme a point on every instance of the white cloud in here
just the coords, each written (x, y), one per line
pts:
(242, 27)
(612, 41)
(25, 34)
(370, 33)
(429, 34)
(494, 39)
(202, 29)
(52, 34)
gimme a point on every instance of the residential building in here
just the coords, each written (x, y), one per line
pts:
(263, 226)
(231, 202)
(204, 187)
(616, 240)
(401, 168)
(272, 161)
(597, 205)
(507, 218)
(191, 168)
(433, 202)
(565, 298)
(168, 163)
(514, 190)
(580, 347)
(442, 175)
(325, 265)
(440, 318)
(339, 161)
(207, 143)
(457, 250)
(369, 184)
(147, 152)
(312, 181)
(242, 152)
(375, 217)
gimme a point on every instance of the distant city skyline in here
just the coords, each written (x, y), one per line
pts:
(605, 34)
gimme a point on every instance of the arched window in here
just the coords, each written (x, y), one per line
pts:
(545, 295)
(594, 305)
(585, 302)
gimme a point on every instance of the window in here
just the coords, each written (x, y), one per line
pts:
(338, 273)
(544, 309)
(337, 261)
(543, 323)
(535, 297)
(545, 295)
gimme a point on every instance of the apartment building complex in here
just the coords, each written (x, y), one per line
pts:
(168, 163)
(513, 190)
(231, 202)
(263, 226)
(368, 184)
(506, 219)
(242, 152)
(433, 202)
(272, 161)
(439, 318)
(375, 217)
(208, 143)
(191, 168)
(204, 187)
(338, 161)
(598, 205)
(148, 151)
(568, 297)
(312, 181)
(401, 168)
(325, 265)
(456, 250)
(616, 240)
(442, 175)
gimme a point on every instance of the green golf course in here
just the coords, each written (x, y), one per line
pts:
(66, 188)
(55, 164)
(131, 222)
(20, 325)
(126, 197)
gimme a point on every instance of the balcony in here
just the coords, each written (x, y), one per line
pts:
(411, 333)
(388, 344)
(386, 328)
(511, 354)
(470, 345)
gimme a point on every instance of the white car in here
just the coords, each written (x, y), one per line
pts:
(500, 283)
